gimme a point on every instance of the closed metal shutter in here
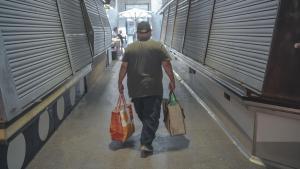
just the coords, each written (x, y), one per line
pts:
(164, 25)
(170, 26)
(108, 35)
(35, 47)
(180, 24)
(105, 22)
(75, 32)
(197, 30)
(240, 39)
(98, 31)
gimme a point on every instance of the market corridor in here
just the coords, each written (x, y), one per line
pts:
(83, 140)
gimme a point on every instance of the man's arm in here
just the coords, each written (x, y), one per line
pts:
(122, 73)
(168, 69)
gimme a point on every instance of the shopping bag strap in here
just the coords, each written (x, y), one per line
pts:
(121, 101)
(172, 98)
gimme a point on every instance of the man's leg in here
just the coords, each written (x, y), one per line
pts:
(148, 110)
(151, 116)
(139, 107)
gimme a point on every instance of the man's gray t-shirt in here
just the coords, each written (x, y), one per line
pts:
(144, 71)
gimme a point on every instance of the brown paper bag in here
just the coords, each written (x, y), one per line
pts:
(174, 117)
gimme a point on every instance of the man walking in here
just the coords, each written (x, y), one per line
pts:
(142, 62)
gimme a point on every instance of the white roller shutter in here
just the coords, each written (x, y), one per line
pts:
(170, 26)
(240, 39)
(197, 30)
(164, 25)
(105, 23)
(97, 35)
(180, 24)
(75, 32)
(34, 48)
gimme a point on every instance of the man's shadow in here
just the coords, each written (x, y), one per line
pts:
(170, 143)
(160, 143)
(116, 145)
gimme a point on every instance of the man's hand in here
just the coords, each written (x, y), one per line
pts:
(297, 45)
(121, 88)
(172, 85)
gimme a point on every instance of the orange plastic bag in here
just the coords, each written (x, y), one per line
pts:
(121, 125)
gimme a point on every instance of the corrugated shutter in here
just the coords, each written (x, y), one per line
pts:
(98, 31)
(35, 47)
(240, 39)
(197, 30)
(108, 35)
(180, 24)
(170, 26)
(164, 25)
(105, 23)
(74, 28)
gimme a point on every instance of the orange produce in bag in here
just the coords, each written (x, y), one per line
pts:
(121, 125)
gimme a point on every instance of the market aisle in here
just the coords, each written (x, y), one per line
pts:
(83, 140)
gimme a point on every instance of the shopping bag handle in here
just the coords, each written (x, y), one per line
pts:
(172, 98)
(121, 100)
